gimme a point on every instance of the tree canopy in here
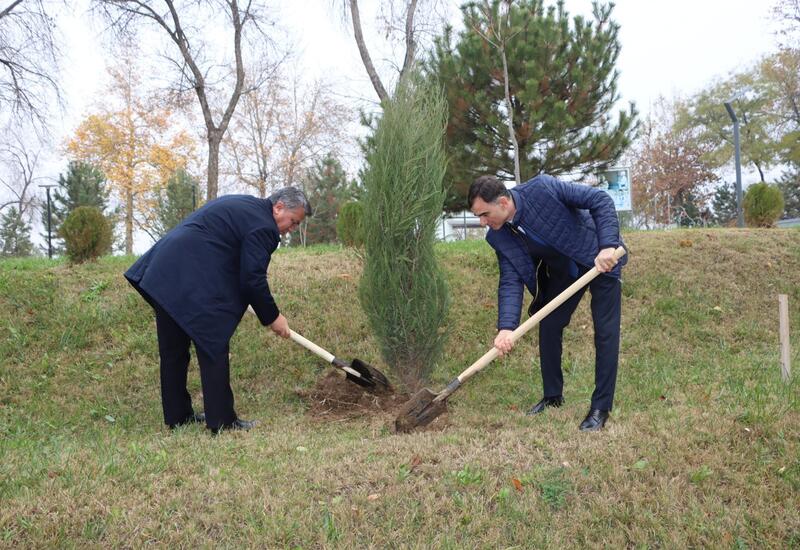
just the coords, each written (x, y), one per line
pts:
(561, 86)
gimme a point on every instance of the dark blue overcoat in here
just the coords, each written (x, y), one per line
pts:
(207, 270)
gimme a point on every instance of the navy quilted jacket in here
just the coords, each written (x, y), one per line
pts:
(576, 220)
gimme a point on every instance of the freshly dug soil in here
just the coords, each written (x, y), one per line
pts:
(333, 397)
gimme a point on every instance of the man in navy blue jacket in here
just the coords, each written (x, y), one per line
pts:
(200, 278)
(546, 234)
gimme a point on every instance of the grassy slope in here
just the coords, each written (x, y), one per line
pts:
(702, 448)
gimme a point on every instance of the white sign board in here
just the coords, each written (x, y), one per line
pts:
(617, 183)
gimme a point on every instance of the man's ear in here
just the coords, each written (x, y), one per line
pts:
(278, 206)
(503, 202)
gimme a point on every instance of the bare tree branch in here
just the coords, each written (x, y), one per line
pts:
(192, 68)
(29, 55)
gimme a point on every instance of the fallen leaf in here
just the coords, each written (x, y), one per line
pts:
(301, 449)
(345, 276)
(717, 308)
(415, 461)
(781, 469)
(373, 497)
(110, 418)
(685, 243)
(565, 464)
(517, 484)
(662, 397)
(640, 465)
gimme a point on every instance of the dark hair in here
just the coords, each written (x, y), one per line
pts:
(488, 188)
(292, 198)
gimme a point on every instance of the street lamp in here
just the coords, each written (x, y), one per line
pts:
(739, 213)
(49, 221)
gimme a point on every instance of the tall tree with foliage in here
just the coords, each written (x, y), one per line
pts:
(789, 184)
(403, 290)
(670, 169)
(15, 234)
(135, 143)
(558, 75)
(83, 185)
(724, 204)
(327, 187)
(179, 198)
(217, 83)
(765, 99)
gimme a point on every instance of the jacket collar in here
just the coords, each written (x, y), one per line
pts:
(519, 205)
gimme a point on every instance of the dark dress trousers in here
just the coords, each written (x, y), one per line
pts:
(200, 278)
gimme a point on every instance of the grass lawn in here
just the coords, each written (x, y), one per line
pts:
(702, 449)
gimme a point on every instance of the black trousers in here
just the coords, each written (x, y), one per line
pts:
(606, 315)
(173, 349)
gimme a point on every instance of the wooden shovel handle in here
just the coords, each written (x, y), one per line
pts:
(311, 346)
(490, 355)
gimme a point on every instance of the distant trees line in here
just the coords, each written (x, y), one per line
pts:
(529, 89)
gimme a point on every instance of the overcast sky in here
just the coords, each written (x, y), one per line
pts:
(668, 47)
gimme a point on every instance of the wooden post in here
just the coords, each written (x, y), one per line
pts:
(783, 314)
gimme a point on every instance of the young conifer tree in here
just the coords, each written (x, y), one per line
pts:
(403, 291)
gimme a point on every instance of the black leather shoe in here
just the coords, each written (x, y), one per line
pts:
(556, 401)
(195, 418)
(237, 424)
(594, 421)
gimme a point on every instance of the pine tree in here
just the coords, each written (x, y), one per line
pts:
(403, 291)
(724, 204)
(789, 185)
(177, 200)
(328, 189)
(562, 85)
(83, 185)
(15, 234)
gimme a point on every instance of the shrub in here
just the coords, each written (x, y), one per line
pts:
(350, 224)
(763, 205)
(86, 233)
(403, 291)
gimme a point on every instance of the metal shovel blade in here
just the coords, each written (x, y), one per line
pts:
(419, 411)
(368, 377)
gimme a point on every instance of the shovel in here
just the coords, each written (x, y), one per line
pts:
(357, 371)
(424, 406)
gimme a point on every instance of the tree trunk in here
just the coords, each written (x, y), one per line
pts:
(214, 139)
(365, 57)
(511, 134)
(129, 222)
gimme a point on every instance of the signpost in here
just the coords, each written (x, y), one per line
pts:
(617, 183)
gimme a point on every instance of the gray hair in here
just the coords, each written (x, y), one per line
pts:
(292, 198)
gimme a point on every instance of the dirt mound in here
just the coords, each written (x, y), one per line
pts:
(333, 397)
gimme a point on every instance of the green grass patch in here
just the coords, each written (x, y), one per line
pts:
(701, 449)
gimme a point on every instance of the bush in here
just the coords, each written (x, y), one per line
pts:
(763, 205)
(403, 291)
(350, 224)
(86, 233)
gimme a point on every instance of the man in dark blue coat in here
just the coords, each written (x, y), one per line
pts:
(200, 278)
(546, 234)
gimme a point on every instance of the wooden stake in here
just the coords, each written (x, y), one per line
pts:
(783, 313)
